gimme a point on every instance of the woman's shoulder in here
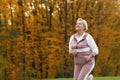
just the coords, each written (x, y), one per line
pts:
(72, 35)
(89, 35)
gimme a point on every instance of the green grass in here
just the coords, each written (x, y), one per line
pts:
(96, 78)
(107, 78)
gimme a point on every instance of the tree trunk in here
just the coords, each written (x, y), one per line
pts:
(24, 47)
(117, 70)
(50, 12)
(65, 10)
(11, 15)
(73, 17)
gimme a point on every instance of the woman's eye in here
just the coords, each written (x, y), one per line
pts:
(78, 24)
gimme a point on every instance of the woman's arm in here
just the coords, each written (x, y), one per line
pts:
(92, 45)
(71, 51)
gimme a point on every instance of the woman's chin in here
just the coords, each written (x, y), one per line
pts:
(78, 30)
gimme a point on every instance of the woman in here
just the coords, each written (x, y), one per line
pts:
(84, 49)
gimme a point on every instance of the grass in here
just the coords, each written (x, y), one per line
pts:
(96, 78)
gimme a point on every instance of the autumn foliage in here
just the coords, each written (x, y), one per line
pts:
(34, 37)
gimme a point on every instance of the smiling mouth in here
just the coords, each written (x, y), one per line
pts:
(78, 29)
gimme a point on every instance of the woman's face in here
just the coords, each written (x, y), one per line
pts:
(79, 26)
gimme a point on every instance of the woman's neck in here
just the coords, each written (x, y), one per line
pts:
(80, 33)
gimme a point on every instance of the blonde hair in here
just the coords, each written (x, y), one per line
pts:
(84, 22)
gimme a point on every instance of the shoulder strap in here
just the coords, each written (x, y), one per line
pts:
(74, 37)
(84, 37)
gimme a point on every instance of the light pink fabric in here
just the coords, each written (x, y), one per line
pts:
(82, 67)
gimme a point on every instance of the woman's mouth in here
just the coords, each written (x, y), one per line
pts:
(78, 29)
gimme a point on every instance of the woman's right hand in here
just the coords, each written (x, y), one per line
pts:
(73, 52)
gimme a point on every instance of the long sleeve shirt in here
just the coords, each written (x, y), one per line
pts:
(90, 41)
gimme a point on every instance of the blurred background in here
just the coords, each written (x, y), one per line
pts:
(34, 37)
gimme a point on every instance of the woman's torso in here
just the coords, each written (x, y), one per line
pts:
(82, 48)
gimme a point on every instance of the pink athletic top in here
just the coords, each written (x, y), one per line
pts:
(83, 47)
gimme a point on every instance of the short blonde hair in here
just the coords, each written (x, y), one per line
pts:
(84, 22)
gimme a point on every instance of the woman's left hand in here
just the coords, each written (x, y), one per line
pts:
(88, 57)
